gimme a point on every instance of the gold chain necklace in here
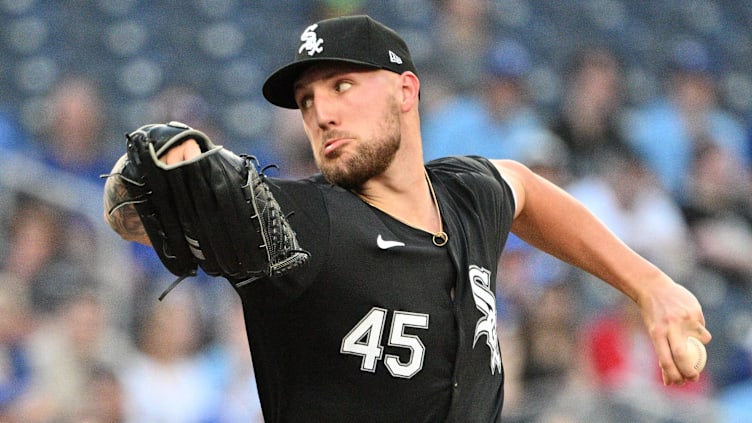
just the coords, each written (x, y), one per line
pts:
(440, 238)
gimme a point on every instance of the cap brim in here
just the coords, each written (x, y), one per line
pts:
(279, 86)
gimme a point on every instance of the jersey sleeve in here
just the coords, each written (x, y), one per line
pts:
(473, 164)
(477, 184)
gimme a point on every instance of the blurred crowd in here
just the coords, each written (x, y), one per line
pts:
(83, 338)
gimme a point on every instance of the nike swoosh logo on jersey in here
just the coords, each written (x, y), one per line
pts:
(385, 245)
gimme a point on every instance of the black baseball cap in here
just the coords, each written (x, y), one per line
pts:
(352, 39)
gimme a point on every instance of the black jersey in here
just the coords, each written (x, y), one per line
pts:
(382, 325)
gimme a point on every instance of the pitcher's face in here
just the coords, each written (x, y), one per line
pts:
(352, 119)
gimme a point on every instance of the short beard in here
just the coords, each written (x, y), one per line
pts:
(372, 158)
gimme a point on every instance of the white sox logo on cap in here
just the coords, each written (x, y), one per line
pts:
(357, 39)
(310, 40)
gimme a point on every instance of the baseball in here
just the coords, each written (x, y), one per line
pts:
(697, 351)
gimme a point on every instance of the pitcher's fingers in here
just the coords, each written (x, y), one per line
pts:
(190, 149)
(684, 356)
(173, 155)
(669, 370)
(187, 150)
(704, 335)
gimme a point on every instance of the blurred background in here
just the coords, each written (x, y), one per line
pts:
(641, 109)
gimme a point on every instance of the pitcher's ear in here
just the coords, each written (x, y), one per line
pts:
(410, 90)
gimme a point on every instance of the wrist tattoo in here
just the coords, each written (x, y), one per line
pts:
(119, 213)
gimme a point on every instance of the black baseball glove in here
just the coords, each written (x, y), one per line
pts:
(214, 211)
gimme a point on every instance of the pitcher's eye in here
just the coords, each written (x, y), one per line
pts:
(343, 86)
(305, 102)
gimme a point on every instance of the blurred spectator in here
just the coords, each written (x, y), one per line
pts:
(549, 330)
(496, 121)
(73, 139)
(631, 202)
(16, 322)
(462, 33)
(588, 121)
(168, 379)
(102, 399)
(718, 208)
(44, 252)
(667, 131)
(71, 350)
(549, 345)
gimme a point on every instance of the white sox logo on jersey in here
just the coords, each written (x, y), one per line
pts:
(485, 301)
(311, 42)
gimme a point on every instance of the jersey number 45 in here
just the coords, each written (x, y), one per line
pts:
(364, 340)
